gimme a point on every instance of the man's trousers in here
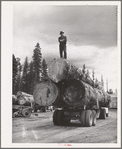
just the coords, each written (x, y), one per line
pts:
(62, 49)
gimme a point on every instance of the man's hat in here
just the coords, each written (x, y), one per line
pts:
(61, 32)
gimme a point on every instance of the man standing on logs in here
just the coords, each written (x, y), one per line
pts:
(62, 46)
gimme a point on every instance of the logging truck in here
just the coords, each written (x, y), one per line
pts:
(72, 94)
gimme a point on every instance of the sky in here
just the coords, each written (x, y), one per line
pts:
(91, 35)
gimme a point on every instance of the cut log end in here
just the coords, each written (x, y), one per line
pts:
(73, 92)
(45, 93)
(76, 93)
(57, 70)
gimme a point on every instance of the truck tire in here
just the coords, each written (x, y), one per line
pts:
(98, 113)
(89, 118)
(60, 117)
(107, 112)
(26, 112)
(83, 118)
(66, 121)
(94, 116)
(55, 114)
(103, 114)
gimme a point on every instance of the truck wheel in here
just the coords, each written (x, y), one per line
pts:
(89, 118)
(66, 121)
(83, 118)
(60, 117)
(97, 113)
(26, 112)
(102, 114)
(55, 114)
(94, 116)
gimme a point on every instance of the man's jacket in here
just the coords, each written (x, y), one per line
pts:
(62, 40)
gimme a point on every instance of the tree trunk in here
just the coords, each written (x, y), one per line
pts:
(68, 87)
(20, 93)
(25, 99)
(61, 69)
(14, 100)
(69, 93)
(47, 93)
(76, 93)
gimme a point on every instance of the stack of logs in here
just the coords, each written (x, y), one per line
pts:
(23, 98)
(67, 86)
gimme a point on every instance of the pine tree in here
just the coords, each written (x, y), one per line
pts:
(37, 62)
(87, 73)
(15, 70)
(16, 67)
(93, 76)
(44, 69)
(107, 85)
(25, 76)
(84, 69)
(19, 79)
(102, 82)
(31, 77)
(96, 83)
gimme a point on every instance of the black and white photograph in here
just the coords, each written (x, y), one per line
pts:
(61, 74)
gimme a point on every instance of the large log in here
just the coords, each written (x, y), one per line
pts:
(77, 93)
(69, 93)
(14, 100)
(68, 87)
(25, 99)
(20, 93)
(47, 93)
(61, 69)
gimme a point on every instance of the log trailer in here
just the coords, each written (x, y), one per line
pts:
(22, 104)
(19, 110)
(72, 94)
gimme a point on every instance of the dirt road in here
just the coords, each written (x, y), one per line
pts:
(40, 129)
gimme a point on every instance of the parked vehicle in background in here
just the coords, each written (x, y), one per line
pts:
(20, 109)
(37, 108)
